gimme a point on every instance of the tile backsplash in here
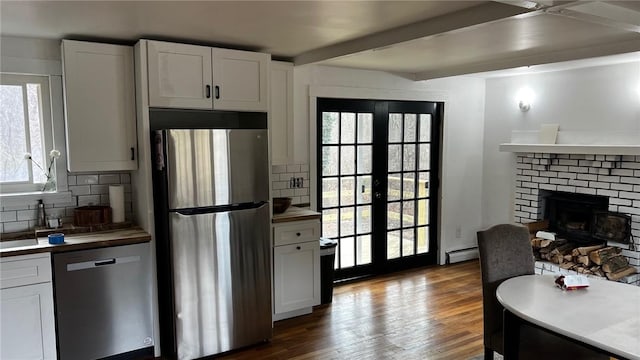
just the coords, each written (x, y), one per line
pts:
(292, 181)
(86, 189)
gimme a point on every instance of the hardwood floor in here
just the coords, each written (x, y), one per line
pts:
(429, 313)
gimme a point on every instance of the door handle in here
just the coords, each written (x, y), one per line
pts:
(217, 92)
(208, 91)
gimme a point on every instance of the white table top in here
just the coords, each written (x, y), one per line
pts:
(605, 315)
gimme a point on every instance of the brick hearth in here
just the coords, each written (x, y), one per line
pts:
(614, 176)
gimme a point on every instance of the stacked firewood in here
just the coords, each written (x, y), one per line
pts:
(598, 260)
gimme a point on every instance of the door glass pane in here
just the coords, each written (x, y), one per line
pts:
(348, 134)
(365, 128)
(329, 160)
(395, 157)
(424, 157)
(347, 256)
(363, 190)
(425, 127)
(364, 159)
(423, 212)
(393, 187)
(347, 188)
(423, 240)
(408, 213)
(330, 127)
(395, 128)
(410, 124)
(408, 185)
(329, 192)
(423, 184)
(407, 242)
(347, 221)
(363, 249)
(363, 219)
(393, 215)
(393, 244)
(347, 160)
(409, 158)
(330, 223)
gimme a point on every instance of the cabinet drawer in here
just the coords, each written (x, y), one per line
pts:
(297, 232)
(25, 270)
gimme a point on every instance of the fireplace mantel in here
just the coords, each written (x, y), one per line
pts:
(571, 149)
(575, 142)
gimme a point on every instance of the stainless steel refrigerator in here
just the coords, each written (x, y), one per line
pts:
(214, 256)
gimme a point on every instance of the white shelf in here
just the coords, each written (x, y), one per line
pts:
(571, 149)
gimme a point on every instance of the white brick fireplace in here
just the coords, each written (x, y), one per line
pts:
(614, 176)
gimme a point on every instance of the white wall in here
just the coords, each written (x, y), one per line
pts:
(461, 180)
(597, 99)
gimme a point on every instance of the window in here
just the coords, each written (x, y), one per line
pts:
(25, 127)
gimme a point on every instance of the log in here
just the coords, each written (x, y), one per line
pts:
(585, 250)
(537, 226)
(601, 255)
(563, 249)
(567, 265)
(622, 273)
(568, 257)
(615, 264)
(583, 259)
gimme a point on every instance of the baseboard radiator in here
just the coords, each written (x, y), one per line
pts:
(456, 256)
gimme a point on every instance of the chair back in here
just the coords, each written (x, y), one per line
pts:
(505, 252)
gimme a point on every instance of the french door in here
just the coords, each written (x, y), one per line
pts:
(378, 167)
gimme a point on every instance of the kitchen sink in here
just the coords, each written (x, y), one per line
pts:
(17, 243)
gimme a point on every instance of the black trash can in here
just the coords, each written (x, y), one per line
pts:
(327, 261)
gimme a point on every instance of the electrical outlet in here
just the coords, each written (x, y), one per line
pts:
(458, 232)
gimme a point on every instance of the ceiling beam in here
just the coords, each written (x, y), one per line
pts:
(529, 60)
(480, 14)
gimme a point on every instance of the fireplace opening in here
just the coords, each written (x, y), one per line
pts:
(573, 216)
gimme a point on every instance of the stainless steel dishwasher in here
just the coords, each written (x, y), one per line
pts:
(103, 302)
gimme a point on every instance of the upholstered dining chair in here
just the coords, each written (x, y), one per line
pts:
(505, 252)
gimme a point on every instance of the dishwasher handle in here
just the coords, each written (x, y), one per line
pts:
(102, 262)
(105, 262)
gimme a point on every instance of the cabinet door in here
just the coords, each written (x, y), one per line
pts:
(240, 80)
(296, 276)
(179, 75)
(281, 112)
(28, 325)
(100, 106)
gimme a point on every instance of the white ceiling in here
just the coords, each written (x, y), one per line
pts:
(422, 39)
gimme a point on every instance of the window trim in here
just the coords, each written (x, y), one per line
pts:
(53, 127)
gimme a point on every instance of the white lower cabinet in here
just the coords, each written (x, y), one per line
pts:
(26, 308)
(296, 268)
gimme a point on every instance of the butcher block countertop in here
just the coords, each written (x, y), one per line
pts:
(295, 214)
(82, 241)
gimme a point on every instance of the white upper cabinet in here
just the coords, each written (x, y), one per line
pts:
(199, 77)
(179, 75)
(240, 80)
(281, 112)
(100, 114)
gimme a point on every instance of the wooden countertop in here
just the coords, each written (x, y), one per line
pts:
(295, 214)
(83, 241)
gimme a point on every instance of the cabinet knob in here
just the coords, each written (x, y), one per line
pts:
(208, 91)
(298, 247)
(217, 92)
(297, 234)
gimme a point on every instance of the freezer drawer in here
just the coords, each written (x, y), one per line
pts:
(103, 301)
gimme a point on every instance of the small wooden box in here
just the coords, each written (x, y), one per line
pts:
(91, 215)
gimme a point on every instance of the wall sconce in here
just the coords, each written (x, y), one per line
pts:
(525, 98)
